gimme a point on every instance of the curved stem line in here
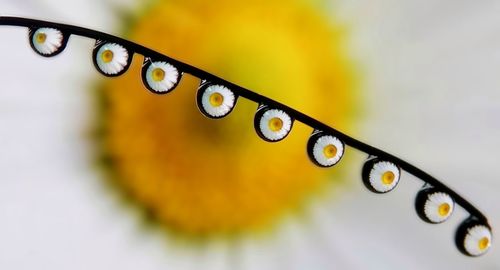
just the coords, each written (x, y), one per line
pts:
(248, 94)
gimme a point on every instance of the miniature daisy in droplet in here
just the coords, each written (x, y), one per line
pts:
(111, 59)
(380, 176)
(438, 207)
(477, 241)
(273, 125)
(326, 150)
(47, 41)
(160, 77)
(215, 101)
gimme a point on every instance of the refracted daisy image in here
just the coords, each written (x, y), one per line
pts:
(114, 156)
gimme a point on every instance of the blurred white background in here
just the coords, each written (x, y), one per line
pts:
(431, 91)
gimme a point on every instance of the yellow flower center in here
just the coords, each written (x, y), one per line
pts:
(216, 99)
(388, 177)
(483, 243)
(275, 124)
(107, 56)
(158, 74)
(330, 151)
(444, 209)
(41, 37)
(201, 176)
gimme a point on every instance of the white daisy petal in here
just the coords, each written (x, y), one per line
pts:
(111, 59)
(215, 101)
(273, 125)
(47, 41)
(380, 176)
(325, 150)
(160, 77)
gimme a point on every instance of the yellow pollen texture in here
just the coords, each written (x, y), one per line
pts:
(199, 176)
(388, 178)
(484, 243)
(444, 209)
(275, 124)
(107, 56)
(158, 74)
(216, 99)
(330, 151)
(41, 37)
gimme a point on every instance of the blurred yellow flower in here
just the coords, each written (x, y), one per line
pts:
(202, 176)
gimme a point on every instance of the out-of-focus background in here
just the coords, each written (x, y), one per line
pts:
(428, 80)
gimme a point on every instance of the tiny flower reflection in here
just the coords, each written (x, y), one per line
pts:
(247, 204)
